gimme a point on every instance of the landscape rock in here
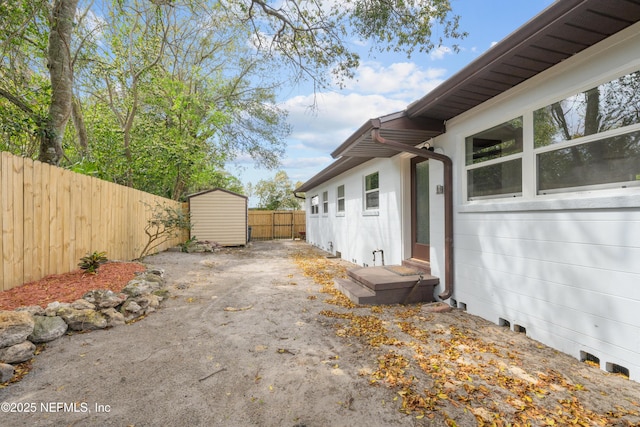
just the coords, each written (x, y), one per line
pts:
(15, 327)
(82, 304)
(155, 271)
(6, 372)
(131, 309)
(140, 286)
(204, 246)
(83, 320)
(104, 298)
(47, 329)
(113, 316)
(34, 310)
(162, 294)
(147, 301)
(154, 275)
(53, 308)
(195, 249)
(17, 353)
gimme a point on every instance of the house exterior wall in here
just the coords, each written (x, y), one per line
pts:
(219, 216)
(562, 266)
(356, 233)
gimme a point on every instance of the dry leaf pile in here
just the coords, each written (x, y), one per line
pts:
(454, 369)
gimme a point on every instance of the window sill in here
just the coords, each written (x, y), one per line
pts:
(340, 214)
(370, 213)
(618, 199)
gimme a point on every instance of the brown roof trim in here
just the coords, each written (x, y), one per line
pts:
(339, 166)
(215, 189)
(394, 121)
(560, 31)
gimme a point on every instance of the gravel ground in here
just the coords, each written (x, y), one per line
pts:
(256, 337)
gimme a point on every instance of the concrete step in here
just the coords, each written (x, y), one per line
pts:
(390, 277)
(388, 285)
(355, 292)
(417, 264)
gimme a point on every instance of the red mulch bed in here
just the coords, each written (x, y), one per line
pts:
(69, 287)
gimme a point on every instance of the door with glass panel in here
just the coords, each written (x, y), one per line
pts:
(420, 208)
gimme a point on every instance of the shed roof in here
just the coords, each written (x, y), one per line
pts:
(562, 30)
(200, 193)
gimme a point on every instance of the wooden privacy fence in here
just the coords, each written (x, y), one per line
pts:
(268, 225)
(51, 217)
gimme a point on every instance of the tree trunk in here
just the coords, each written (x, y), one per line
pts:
(61, 74)
(78, 123)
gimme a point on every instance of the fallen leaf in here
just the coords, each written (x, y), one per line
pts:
(249, 307)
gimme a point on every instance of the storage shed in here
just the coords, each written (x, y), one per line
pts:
(219, 216)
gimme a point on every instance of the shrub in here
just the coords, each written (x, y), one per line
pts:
(91, 262)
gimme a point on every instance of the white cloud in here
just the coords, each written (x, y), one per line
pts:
(336, 117)
(321, 122)
(401, 80)
(377, 90)
(440, 52)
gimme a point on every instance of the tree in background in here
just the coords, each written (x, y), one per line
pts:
(161, 94)
(277, 193)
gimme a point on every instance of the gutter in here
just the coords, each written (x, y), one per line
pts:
(448, 202)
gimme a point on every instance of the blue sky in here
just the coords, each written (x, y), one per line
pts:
(384, 84)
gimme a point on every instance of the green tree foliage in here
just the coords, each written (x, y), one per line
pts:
(162, 94)
(25, 88)
(277, 193)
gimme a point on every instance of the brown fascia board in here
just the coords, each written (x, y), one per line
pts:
(214, 189)
(339, 166)
(516, 39)
(398, 120)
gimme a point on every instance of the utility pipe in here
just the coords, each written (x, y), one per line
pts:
(448, 202)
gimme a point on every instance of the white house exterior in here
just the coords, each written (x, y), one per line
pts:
(546, 230)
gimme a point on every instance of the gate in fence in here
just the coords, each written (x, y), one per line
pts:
(269, 225)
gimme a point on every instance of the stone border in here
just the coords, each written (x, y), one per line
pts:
(23, 328)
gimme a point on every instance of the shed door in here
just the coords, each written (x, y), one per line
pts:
(420, 208)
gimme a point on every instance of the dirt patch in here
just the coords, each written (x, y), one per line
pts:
(258, 336)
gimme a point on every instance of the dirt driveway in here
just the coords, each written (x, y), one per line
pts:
(256, 337)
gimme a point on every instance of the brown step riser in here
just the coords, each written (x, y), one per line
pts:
(423, 293)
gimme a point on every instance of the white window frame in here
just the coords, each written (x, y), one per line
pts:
(325, 202)
(339, 198)
(315, 200)
(366, 192)
(633, 181)
(497, 161)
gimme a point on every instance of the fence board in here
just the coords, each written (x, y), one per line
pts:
(268, 225)
(7, 220)
(55, 228)
(28, 221)
(67, 221)
(51, 217)
(41, 170)
(18, 219)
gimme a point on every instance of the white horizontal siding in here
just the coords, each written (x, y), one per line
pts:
(566, 271)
